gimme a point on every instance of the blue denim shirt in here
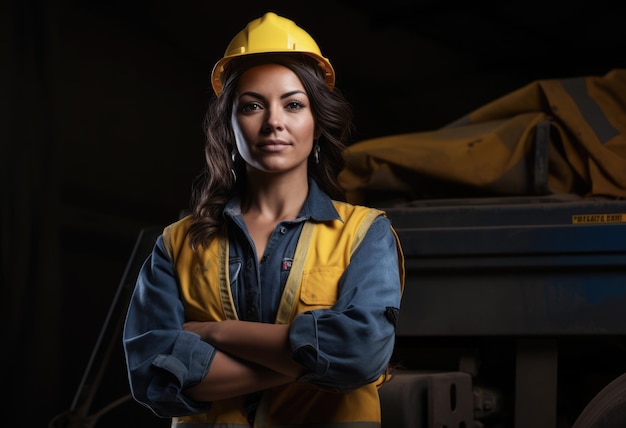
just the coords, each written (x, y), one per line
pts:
(342, 348)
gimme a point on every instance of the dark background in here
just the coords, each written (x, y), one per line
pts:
(102, 109)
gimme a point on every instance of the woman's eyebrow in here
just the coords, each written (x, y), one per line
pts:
(290, 93)
(285, 95)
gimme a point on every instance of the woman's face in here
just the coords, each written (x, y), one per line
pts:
(272, 120)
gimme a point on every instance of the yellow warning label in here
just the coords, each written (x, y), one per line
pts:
(599, 218)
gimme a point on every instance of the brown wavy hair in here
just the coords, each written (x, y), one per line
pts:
(216, 184)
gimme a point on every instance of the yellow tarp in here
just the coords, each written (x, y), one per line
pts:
(493, 150)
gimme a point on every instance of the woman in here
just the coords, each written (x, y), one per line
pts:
(273, 303)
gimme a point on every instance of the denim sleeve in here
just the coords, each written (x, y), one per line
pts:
(350, 344)
(162, 359)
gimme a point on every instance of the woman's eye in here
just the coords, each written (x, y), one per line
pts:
(295, 105)
(250, 107)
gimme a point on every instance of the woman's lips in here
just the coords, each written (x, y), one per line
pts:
(272, 145)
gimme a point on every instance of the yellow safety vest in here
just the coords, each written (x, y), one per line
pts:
(322, 254)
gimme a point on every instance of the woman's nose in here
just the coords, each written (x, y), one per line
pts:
(274, 120)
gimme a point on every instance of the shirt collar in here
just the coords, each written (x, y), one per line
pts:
(317, 206)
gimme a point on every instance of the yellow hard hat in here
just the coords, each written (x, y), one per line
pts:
(271, 33)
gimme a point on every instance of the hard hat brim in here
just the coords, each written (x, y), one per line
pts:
(220, 66)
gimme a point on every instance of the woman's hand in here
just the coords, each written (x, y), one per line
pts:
(201, 328)
(260, 343)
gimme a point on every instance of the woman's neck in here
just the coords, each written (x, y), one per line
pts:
(276, 198)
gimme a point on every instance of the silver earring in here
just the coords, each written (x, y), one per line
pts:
(316, 153)
(233, 155)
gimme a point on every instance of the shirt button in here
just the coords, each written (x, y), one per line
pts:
(283, 230)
